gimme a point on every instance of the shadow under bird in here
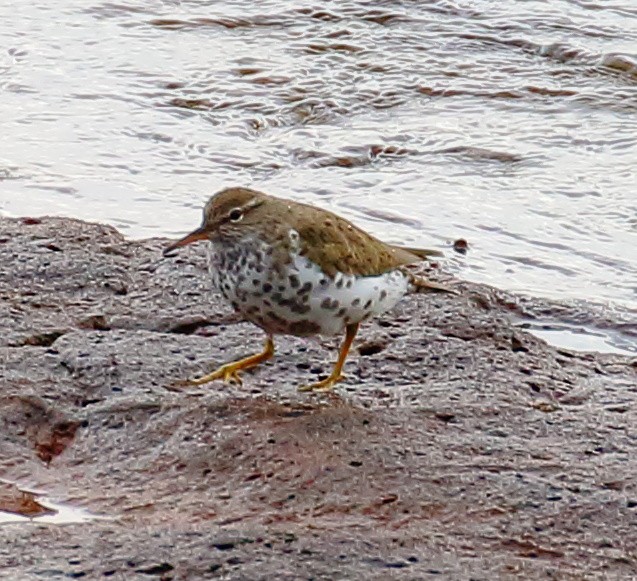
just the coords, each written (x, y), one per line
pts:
(294, 269)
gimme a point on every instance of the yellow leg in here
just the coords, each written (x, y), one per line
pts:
(230, 371)
(336, 375)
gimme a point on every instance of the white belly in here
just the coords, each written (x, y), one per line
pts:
(300, 299)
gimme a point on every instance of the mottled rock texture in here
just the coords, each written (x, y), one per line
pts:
(459, 447)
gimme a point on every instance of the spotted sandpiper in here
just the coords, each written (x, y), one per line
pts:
(295, 269)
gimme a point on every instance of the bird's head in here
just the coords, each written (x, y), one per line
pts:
(228, 215)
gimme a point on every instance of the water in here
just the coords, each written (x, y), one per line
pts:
(510, 124)
(22, 505)
(58, 514)
(583, 338)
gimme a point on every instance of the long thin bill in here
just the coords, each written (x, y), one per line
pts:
(194, 236)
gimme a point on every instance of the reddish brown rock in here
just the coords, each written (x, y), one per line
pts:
(460, 446)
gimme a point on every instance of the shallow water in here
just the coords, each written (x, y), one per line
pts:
(513, 125)
(22, 505)
(584, 337)
(59, 515)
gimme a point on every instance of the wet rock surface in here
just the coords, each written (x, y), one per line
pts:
(459, 447)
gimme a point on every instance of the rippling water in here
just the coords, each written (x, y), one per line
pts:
(510, 124)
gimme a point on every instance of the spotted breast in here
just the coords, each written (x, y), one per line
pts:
(297, 297)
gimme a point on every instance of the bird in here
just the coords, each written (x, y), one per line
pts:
(296, 269)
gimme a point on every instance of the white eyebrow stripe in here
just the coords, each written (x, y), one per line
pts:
(252, 204)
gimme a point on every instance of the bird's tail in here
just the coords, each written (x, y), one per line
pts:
(423, 253)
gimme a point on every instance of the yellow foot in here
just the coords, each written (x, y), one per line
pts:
(230, 371)
(227, 372)
(336, 375)
(324, 385)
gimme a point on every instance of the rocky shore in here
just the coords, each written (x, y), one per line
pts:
(460, 447)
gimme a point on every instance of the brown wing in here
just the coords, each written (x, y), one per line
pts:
(337, 245)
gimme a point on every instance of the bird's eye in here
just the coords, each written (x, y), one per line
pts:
(235, 215)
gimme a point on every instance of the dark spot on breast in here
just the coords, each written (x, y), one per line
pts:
(329, 304)
(383, 295)
(256, 281)
(274, 317)
(356, 302)
(305, 289)
(294, 281)
(266, 288)
(341, 312)
(367, 304)
(339, 282)
(324, 282)
(299, 308)
(349, 283)
(235, 305)
(277, 297)
(304, 328)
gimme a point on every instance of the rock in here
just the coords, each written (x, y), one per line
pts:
(460, 245)
(460, 445)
